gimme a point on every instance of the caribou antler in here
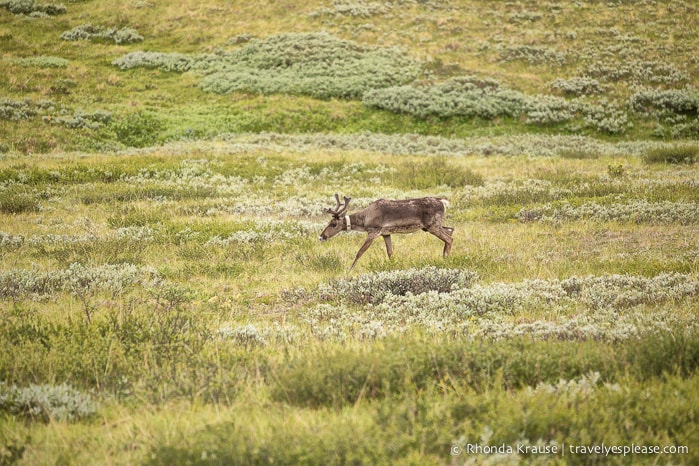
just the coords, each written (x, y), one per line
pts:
(338, 211)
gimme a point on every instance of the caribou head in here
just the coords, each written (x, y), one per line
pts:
(384, 217)
(338, 223)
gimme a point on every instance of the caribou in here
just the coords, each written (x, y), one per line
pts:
(385, 217)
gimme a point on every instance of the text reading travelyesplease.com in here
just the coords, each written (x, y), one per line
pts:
(567, 449)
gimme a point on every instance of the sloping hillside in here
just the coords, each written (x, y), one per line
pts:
(103, 75)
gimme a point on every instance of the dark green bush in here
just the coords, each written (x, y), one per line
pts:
(674, 154)
(579, 154)
(17, 200)
(434, 426)
(341, 376)
(161, 349)
(433, 173)
(138, 129)
(326, 439)
(131, 217)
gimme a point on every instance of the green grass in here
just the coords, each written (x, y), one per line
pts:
(164, 298)
(232, 320)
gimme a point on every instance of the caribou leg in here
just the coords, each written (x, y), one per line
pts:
(370, 239)
(443, 234)
(389, 245)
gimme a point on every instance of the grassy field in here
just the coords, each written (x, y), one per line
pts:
(164, 298)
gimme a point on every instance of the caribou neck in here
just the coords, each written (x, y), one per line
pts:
(356, 221)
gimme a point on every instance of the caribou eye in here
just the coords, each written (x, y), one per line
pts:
(333, 224)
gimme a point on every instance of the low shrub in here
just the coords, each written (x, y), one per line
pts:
(672, 154)
(17, 200)
(176, 62)
(44, 62)
(680, 101)
(31, 7)
(77, 279)
(471, 97)
(102, 33)
(635, 211)
(82, 119)
(464, 96)
(636, 71)
(26, 109)
(433, 173)
(340, 376)
(577, 86)
(374, 287)
(354, 8)
(46, 402)
(534, 55)
(138, 129)
(315, 64)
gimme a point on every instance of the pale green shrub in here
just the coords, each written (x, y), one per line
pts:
(44, 62)
(31, 7)
(607, 118)
(244, 335)
(46, 402)
(538, 145)
(464, 96)
(101, 33)
(353, 8)
(637, 71)
(240, 39)
(10, 241)
(82, 119)
(534, 55)
(577, 86)
(374, 287)
(315, 64)
(77, 279)
(471, 97)
(525, 16)
(26, 109)
(607, 307)
(681, 101)
(176, 62)
(635, 211)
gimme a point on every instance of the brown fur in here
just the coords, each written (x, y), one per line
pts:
(385, 217)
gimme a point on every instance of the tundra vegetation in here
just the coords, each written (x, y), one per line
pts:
(163, 172)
